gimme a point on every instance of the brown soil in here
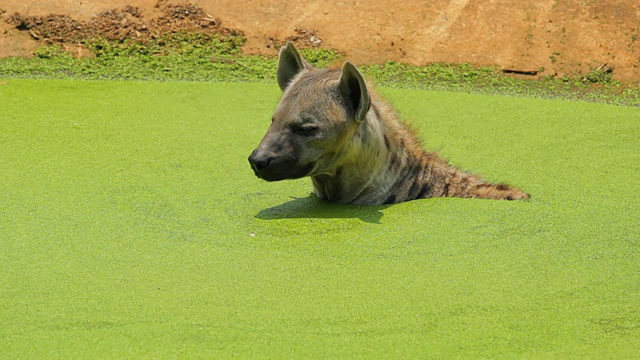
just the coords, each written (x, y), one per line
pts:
(561, 36)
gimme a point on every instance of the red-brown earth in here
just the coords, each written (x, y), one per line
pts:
(560, 36)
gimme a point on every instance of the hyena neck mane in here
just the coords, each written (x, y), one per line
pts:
(384, 163)
(330, 126)
(373, 164)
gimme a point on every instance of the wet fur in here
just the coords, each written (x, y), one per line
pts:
(360, 151)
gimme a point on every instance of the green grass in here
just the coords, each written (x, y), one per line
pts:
(199, 57)
(131, 226)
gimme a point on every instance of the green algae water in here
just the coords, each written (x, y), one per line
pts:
(131, 226)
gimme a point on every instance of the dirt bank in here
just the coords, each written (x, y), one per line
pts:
(559, 36)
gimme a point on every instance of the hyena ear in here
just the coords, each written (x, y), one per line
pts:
(354, 89)
(290, 64)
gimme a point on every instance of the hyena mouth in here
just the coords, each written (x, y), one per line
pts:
(276, 169)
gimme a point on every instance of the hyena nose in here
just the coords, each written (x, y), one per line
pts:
(259, 161)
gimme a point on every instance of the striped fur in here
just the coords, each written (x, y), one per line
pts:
(330, 126)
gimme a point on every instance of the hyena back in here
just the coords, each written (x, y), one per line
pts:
(331, 127)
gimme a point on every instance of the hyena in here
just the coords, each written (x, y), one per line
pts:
(330, 126)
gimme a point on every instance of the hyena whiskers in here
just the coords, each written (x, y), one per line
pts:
(330, 126)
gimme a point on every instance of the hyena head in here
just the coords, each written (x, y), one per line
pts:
(319, 111)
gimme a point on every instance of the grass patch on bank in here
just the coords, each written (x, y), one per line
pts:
(198, 57)
(132, 226)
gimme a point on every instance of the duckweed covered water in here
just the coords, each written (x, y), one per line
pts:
(132, 226)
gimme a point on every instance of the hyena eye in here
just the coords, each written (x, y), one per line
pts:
(304, 129)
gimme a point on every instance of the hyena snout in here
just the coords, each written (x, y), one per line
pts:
(270, 166)
(260, 160)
